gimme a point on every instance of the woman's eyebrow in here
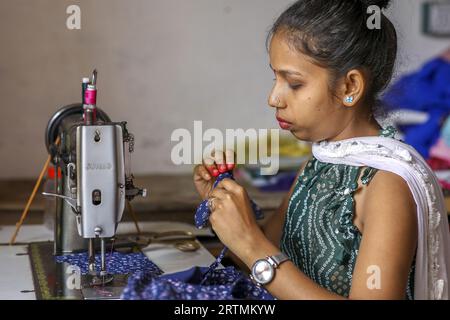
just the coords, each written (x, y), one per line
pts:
(287, 72)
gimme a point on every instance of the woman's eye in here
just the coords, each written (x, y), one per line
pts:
(295, 86)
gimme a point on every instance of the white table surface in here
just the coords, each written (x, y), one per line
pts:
(15, 270)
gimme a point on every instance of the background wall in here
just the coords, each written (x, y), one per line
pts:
(162, 64)
(415, 48)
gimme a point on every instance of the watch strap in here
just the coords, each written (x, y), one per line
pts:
(277, 259)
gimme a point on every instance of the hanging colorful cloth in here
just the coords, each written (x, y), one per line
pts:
(425, 90)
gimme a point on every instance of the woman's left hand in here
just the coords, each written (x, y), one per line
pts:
(233, 219)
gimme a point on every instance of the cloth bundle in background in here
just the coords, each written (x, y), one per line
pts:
(440, 156)
(427, 90)
(441, 150)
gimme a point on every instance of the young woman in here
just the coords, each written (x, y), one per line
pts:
(355, 224)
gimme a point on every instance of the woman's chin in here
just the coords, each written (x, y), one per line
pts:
(300, 135)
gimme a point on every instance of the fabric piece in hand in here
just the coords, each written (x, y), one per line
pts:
(222, 284)
(116, 263)
(426, 90)
(203, 211)
(202, 217)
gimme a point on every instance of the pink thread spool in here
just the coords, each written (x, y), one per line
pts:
(90, 100)
(90, 95)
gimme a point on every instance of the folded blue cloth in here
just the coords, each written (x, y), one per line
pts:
(221, 284)
(426, 90)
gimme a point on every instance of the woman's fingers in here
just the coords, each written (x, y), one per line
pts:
(220, 162)
(212, 204)
(200, 171)
(230, 186)
(230, 162)
(219, 158)
(210, 165)
(218, 193)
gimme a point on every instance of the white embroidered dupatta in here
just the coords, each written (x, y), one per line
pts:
(433, 250)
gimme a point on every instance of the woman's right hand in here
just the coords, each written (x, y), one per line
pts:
(205, 174)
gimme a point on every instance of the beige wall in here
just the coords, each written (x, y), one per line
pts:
(162, 64)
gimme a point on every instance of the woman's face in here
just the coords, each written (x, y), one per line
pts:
(301, 94)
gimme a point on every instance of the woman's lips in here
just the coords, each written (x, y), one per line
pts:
(284, 124)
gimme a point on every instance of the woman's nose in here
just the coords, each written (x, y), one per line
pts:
(275, 101)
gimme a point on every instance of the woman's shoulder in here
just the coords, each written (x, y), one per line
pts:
(387, 194)
(386, 181)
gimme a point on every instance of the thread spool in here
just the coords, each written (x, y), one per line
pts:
(90, 95)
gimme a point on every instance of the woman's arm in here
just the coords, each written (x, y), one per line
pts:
(388, 244)
(390, 238)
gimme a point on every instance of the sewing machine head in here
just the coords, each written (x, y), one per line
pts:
(100, 179)
(93, 154)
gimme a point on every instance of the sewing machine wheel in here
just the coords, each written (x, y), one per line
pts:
(52, 130)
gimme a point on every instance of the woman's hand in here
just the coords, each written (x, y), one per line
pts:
(233, 219)
(205, 174)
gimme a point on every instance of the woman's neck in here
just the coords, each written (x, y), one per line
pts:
(358, 128)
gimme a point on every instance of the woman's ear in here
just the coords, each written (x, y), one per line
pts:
(353, 87)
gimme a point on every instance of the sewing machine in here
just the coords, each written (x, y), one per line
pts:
(93, 155)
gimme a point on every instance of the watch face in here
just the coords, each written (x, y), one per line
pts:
(262, 271)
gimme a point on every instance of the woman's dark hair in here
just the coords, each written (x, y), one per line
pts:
(335, 34)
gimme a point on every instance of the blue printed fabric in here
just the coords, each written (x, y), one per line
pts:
(221, 284)
(198, 283)
(202, 217)
(116, 263)
(203, 212)
(146, 281)
(428, 91)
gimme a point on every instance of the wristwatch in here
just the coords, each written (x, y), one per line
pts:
(263, 270)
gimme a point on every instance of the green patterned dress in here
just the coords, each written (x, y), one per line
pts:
(319, 235)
